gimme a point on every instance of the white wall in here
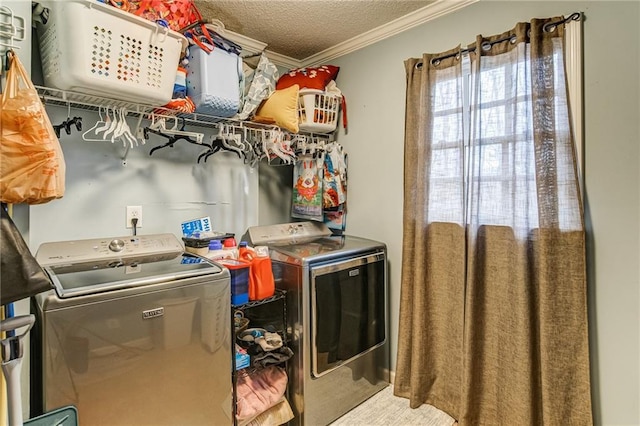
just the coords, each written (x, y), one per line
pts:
(373, 80)
(276, 183)
(170, 186)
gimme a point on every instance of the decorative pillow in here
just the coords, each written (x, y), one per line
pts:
(309, 78)
(282, 106)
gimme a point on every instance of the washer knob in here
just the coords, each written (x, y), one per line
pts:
(116, 245)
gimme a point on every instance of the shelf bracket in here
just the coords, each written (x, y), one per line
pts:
(12, 31)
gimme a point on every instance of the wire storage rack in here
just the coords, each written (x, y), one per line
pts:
(57, 97)
(263, 141)
(275, 306)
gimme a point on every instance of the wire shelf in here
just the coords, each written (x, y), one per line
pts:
(57, 97)
(279, 294)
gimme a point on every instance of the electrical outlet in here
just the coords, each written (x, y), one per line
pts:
(134, 212)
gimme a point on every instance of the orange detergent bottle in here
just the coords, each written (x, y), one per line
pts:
(261, 282)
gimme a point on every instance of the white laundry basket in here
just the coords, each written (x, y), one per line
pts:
(318, 111)
(94, 48)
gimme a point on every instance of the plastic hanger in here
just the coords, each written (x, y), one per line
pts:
(112, 126)
(177, 129)
(227, 137)
(123, 130)
(107, 122)
(100, 122)
(172, 139)
(66, 124)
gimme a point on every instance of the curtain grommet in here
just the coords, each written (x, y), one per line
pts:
(513, 39)
(435, 62)
(486, 46)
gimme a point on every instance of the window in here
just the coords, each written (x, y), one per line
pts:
(493, 106)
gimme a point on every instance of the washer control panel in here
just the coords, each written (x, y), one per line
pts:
(105, 249)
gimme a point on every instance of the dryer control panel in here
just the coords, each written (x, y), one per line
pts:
(99, 250)
(287, 233)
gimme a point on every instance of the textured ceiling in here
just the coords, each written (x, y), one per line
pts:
(301, 28)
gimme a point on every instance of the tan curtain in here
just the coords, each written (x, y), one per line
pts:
(493, 319)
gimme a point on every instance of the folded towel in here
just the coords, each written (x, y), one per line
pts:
(260, 391)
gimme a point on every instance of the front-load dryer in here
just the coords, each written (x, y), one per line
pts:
(337, 316)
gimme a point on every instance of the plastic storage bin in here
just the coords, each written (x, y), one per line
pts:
(93, 48)
(213, 81)
(239, 271)
(317, 111)
(200, 245)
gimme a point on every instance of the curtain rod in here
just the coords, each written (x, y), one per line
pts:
(549, 26)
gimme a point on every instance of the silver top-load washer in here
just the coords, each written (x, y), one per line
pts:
(337, 316)
(136, 331)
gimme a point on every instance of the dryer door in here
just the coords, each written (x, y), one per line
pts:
(348, 310)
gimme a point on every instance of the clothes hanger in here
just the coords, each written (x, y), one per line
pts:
(177, 129)
(106, 123)
(66, 124)
(251, 153)
(172, 139)
(98, 123)
(112, 125)
(230, 141)
(123, 130)
(217, 144)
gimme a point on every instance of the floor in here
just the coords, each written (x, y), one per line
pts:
(385, 409)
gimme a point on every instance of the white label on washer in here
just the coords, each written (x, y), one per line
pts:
(152, 313)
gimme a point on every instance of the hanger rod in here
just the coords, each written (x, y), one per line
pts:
(59, 97)
(548, 27)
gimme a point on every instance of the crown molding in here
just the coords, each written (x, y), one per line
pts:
(432, 11)
(249, 45)
(284, 61)
(420, 16)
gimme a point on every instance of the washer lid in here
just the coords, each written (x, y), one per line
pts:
(72, 280)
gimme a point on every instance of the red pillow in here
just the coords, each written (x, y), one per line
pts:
(309, 78)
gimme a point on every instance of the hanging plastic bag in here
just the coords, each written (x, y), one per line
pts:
(32, 166)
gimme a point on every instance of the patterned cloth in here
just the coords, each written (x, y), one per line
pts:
(261, 81)
(307, 189)
(335, 176)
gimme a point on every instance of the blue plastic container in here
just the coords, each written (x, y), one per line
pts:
(239, 271)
